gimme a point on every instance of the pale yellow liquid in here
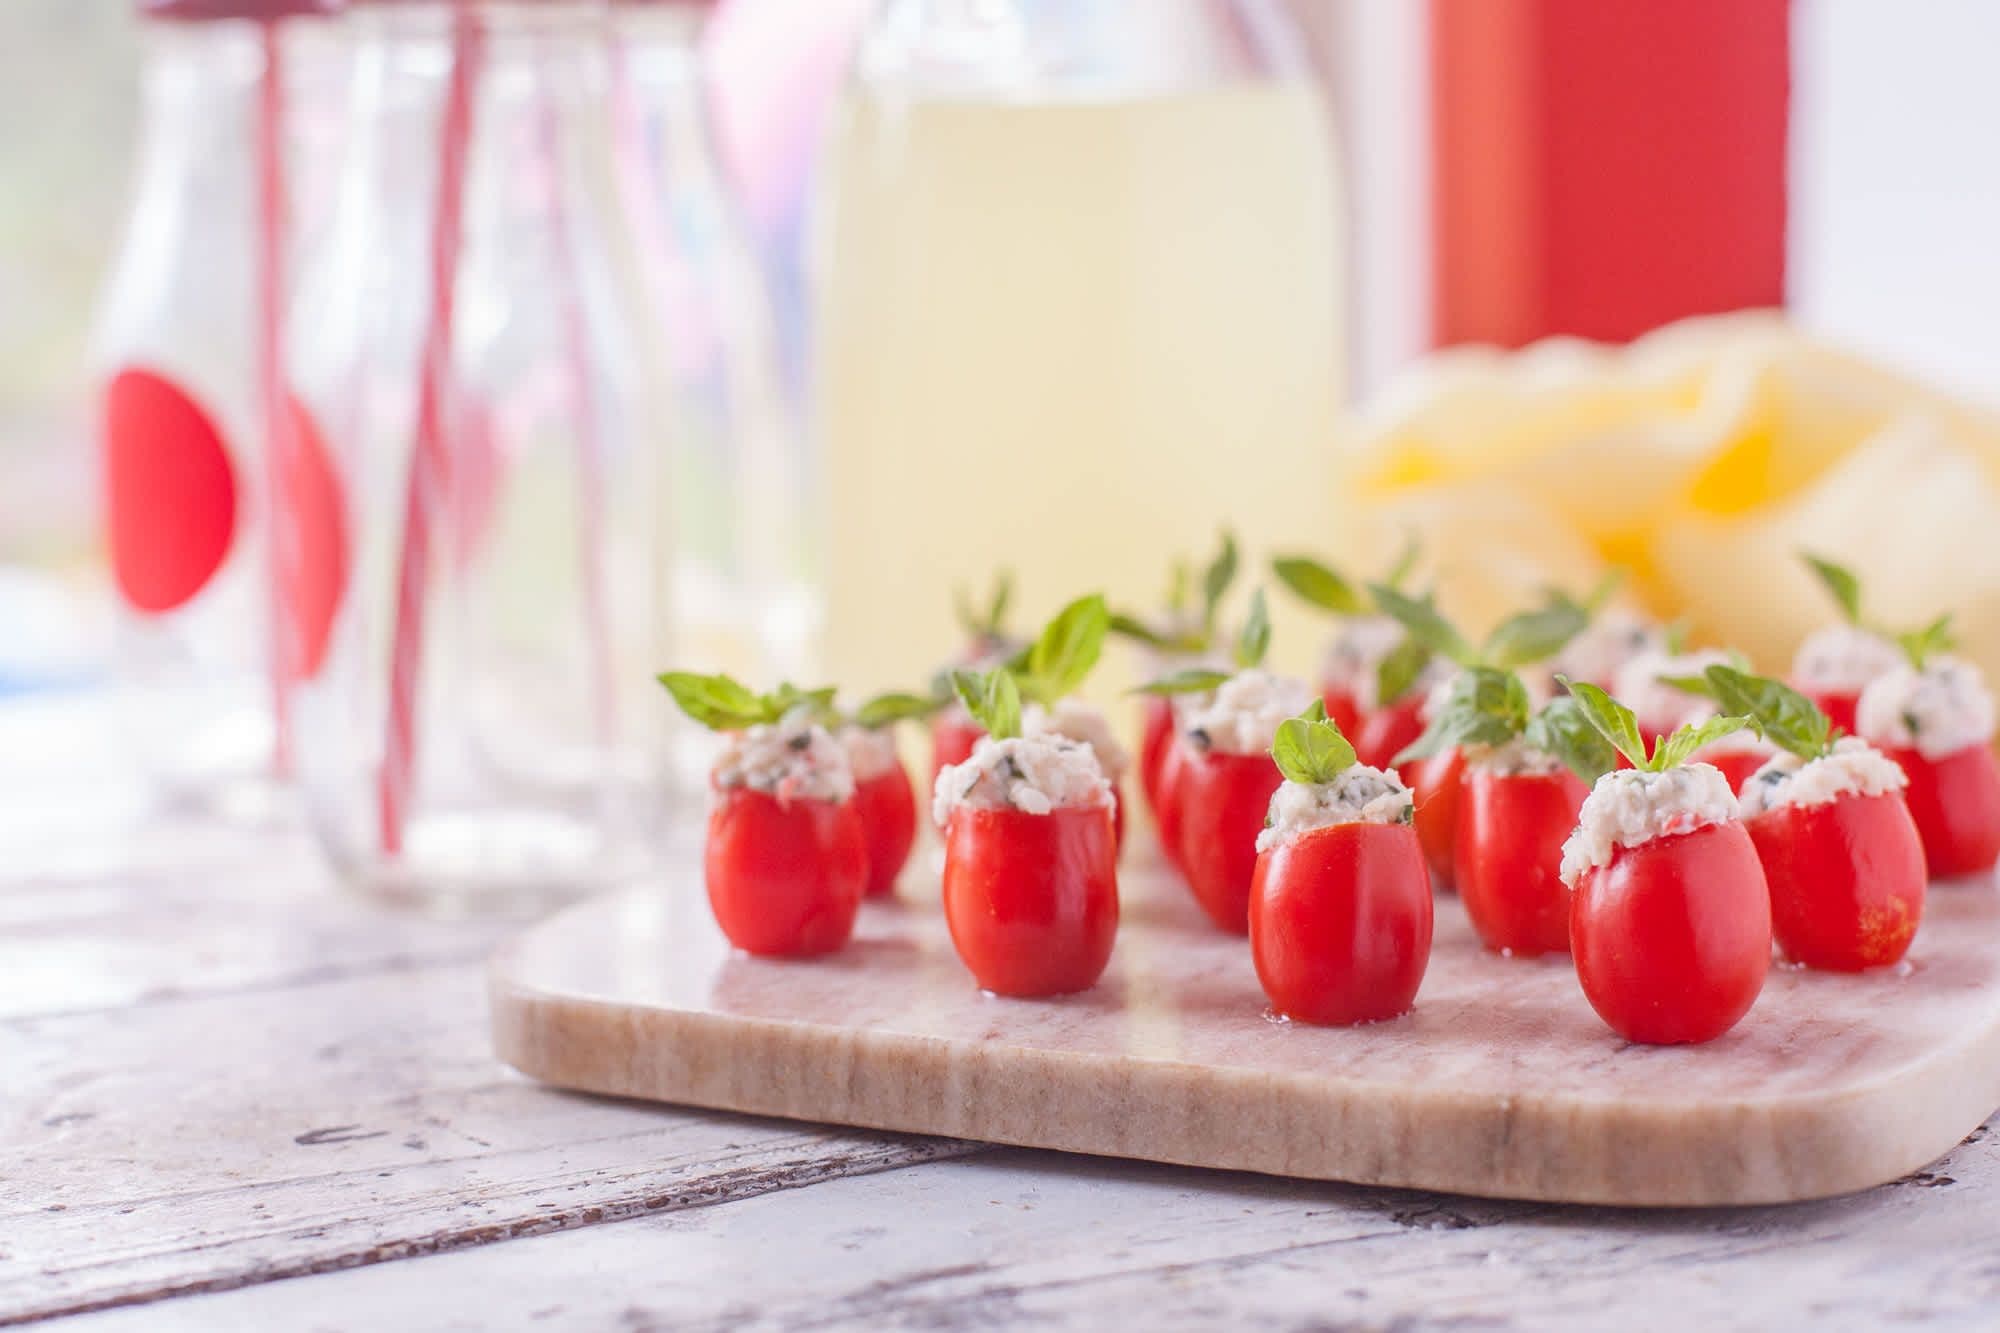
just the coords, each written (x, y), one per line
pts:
(1071, 339)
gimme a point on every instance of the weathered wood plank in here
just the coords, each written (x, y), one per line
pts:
(1018, 1238)
(218, 1140)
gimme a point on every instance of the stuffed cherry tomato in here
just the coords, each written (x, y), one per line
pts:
(1841, 855)
(1390, 729)
(1030, 865)
(1342, 708)
(1439, 794)
(1340, 911)
(1516, 809)
(1602, 648)
(1835, 663)
(787, 855)
(1086, 722)
(1670, 919)
(953, 736)
(886, 801)
(1937, 723)
(1644, 684)
(1223, 788)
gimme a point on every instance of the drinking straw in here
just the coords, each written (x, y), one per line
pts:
(430, 460)
(281, 548)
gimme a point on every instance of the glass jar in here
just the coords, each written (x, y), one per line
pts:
(1079, 295)
(482, 731)
(193, 412)
(746, 558)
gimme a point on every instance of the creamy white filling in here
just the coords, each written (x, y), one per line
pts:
(1359, 795)
(1843, 658)
(794, 759)
(1604, 646)
(1855, 768)
(1658, 705)
(1354, 656)
(1084, 722)
(870, 753)
(1514, 759)
(1243, 715)
(1032, 774)
(1938, 711)
(1631, 807)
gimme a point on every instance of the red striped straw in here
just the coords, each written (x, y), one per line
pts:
(281, 547)
(430, 460)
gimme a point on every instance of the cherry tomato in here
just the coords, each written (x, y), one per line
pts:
(1508, 854)
(1031, 900)
(1340, 923)
(1118, 817)
(784, 877)
(1223, 800)
(1846, 879)
(1155, 737)
(1436, 791)
(1673, 938)
(1342, 709)
(1167, 812)
(888, 809)
(1388, 731)
(952, 739)
(1736, 765)
(1838, 705)
(1956, 803)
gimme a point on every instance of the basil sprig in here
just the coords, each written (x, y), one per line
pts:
(1562, 730)
(1618, 725)
(1309, 748)
(993, 698)
(990, 623)
(721, 703)
(1781, 714)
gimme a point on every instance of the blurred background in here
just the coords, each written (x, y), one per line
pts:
(771, 324)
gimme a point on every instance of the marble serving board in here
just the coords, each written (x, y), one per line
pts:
(1502, 1082)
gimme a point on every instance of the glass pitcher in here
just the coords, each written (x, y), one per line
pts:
(481, 730)
(1079, 293)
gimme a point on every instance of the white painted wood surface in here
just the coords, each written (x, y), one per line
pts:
(232, 1097)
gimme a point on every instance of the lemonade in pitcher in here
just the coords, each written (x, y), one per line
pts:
(1079, 296)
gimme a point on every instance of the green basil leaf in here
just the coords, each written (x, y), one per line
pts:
(1068, 648)
(887, 709)
(1317, 585)
(1131, 627)
(1483, 706)
(1562, 730)
(789, 696)
(1671, 751)
(993, 698)
(1611, 719)
(1936, 637)
(1406, 559)
(1698, 686)
(1195, 680)
(1780, 713)
(717, 702)
(1255, 640)
(1177, 587)
(1839, 581)
(1422, 619)
(1399, 670)
(1534, 636)
(1310, 749)
(1215, 581)
(1003, 595)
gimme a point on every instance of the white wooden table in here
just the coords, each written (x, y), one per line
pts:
(232, 1096)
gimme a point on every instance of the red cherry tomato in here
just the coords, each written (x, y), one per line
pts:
(888, 808)
(1031, 900)
(784, 877)
(1956, 803)
(1388, 731)
(1846, 879)
(1167, 811)
(1838, 705)
(1436, 792)
(1508, 852)
(1340, 923)
(952, 739)
(1341, 708)
(1673, 938)
(1155, 738)
(1736, 765)
(1223, 801)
